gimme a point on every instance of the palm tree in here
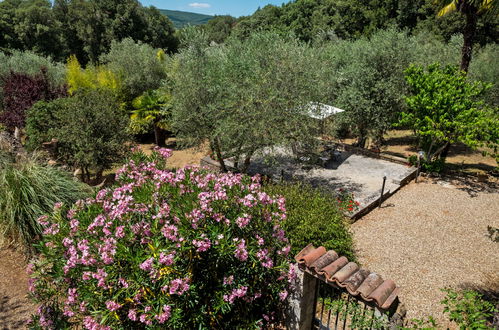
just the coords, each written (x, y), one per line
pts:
(471, 9)
(153, 107)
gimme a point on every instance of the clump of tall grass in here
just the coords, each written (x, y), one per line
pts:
(27, 191)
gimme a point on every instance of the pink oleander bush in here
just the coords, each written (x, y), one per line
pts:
(186, 249)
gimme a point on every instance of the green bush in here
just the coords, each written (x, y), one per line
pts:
(90, 127)
(27, 191)
(468, 309)
(314, 217)
(30, 63)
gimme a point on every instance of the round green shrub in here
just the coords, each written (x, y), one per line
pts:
(315, 216)
(90, 127)
(184, 249)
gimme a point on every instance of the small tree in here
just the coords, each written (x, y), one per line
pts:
(243, 96)
(90, 128)
(365, 77)
(445, 108)
(93, 77)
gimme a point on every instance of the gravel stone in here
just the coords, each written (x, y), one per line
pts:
(429, 236)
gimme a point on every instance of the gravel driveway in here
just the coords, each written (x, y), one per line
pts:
(430, 236)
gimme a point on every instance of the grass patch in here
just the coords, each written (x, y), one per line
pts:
(27, 191)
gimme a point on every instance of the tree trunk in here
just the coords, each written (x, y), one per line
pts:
(471, 14)
(159, 136)
(361, 142)
(247, 161)
(218, 152)
(445, 151)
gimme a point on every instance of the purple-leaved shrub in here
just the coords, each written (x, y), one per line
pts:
(164, 249)
(21, 91)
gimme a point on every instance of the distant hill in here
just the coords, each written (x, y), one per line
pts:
(183, 18)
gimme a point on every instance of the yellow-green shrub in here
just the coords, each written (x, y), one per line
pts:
(93, 77)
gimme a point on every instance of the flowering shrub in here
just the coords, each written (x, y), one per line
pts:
(346, 201)
(184, 249)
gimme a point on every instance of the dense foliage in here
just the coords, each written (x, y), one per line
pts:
(445, 108)
(183, 249)
(27, 191)
(84, 28)
(138, 66)
(313, 217)
(322, 20)
(21, 91)
(365, 77)
(243, 96)
(94, 77)
(469, 309)
(152, 109)
(90, 129)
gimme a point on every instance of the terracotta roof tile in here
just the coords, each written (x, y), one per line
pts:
(339, 271)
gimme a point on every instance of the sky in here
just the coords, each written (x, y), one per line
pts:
(213, 7)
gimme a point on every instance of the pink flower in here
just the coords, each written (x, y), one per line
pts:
(263, 256)
(52, 230)
(147, 265)
(179, 286)
(163, 317)
(240, 292)
(163, 152)
(203, 245)
(283, 295)
(241, 253)
(228, 280)
(170, 232)
(112, 305)
(123, 282)
(243, 221)
(120, 232)
(132, 314)
(166, 259)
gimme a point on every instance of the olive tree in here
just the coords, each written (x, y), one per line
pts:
(243, 96)
(365, 77)
(90, 129)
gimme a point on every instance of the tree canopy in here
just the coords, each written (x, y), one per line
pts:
(445, 108)
(84, 28)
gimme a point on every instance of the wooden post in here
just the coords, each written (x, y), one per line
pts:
(301, 302)
(382, 191)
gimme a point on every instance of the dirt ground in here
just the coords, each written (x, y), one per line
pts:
(429, 236)
(180, 157)
(15, 306)
(402, 143)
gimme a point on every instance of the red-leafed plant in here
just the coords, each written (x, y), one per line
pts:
(21, 91)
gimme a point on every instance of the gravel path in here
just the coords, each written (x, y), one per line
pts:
(428, 236)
